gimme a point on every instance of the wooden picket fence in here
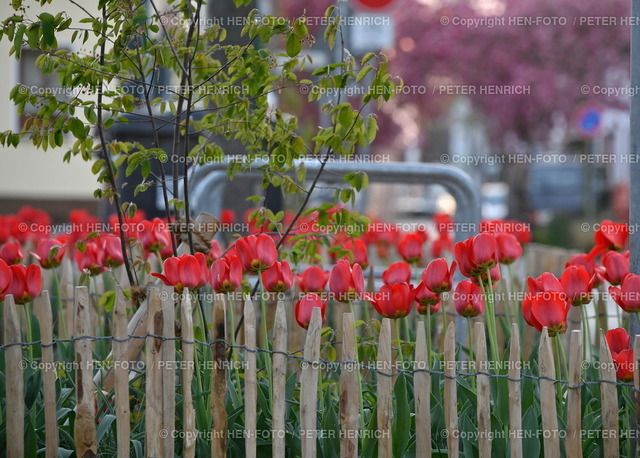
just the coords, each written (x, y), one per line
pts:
(160, 410)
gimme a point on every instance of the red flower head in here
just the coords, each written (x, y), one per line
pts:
(346, 282)
(6, 276)
(304, 308)
(214, 252)
(468, 299)
(438, 277)
(155, 237)
(398, 272)
(609, 236)
(26, 284)
(545, 282)
(256, 252)
(410, 248)
(181, 272)
(11, 253)
(442, 244)
(49, 252)
(548, 308)
(92, 260)
(359, 253)
(227, 216)
(588, 263)
(312, 280)
(112, 251)
(495, 277)
(621, 353)
(426, 300)
(443, 224)
(476, 255)
(616, 266)
(278, 278)
(509, 248)
(393, 301)
(577, 285)
(226, 274)
(627, 296)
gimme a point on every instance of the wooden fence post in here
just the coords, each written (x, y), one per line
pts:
(384, 390)
(42, 309)
(309, 386)
(84, 430)
(219, 381)
(168, 352)
(609, 400)
(14, 383)
(121, 375)
(153, 396)
(450, 390)
(422, 393)
(188, 412)
(515, 394)
(250, 380)
(279, 380)
(349, 390)
(574, 416)
(483, 393)
(548, 398)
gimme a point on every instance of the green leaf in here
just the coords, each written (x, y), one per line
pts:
(363, 72)
(293, 45)
(108, 301)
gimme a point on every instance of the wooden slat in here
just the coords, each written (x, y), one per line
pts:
(250, 380)
(384, 391)
(219, 381)
(573, 441)
(515, 395)
(422, 393)
(450, 390)
(188, 411)
(14, 383)
(349, 390)
(309, 386)
(153, 394)
(548, 398)
(279, 380)
(483, 392)
(636, 385)
(66, 294)
(168, 352)
(609, 399)
(121, 375)
(42, 310)
(84, 430)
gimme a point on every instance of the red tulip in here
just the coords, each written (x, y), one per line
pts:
(627, 296)
(438, 277)
(304, 308)
(26, 284)
(426, 300)
(112, 251)
(398, 272)
(442, 244)
(577, 285)
(49, 252)
(545, 282)
(410, 248)
(155, 237)
(214, 252)
(11, 253)
(359, 253)
(346, 282)
(495, 277)
(92, 260)
(476, 255)
(393, 301)
(181, 272)
(227, 216)
(621, 353)
(256, 252)
(509, 249)
(549, 309)
(312, 280)
(610, 236)
(616, 266)
(468, 299)
(588, 263)
(278, 278)
(6, 276)
(226, 274)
